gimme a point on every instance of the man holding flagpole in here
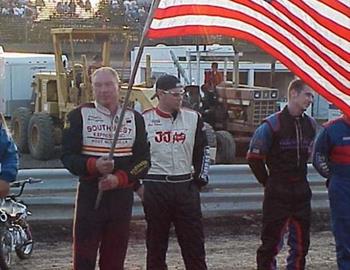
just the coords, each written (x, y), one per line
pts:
(87, 138)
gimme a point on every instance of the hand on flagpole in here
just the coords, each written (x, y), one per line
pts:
(108, 182)
(105, 165)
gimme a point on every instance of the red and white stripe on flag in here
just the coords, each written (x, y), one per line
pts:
(310, 37)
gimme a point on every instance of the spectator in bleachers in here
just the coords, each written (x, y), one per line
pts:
(65, 8)
(126, 4)
(88, 5)
(29, 12)
(136, 12)
(71, 7)
(81, 4)
(59, 8)
(142, 15)
(18, 10)
(115, 4)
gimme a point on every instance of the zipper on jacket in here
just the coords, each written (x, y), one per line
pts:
(299, 137)
(172, 144)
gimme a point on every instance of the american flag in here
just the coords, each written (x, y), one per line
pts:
(310, 37)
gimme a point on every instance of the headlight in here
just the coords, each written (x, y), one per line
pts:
(274, 94)
(257, 94)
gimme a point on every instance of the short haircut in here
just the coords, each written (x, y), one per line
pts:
(215, 64)
(296, 84)
(106, 69)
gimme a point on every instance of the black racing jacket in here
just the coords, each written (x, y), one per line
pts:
(283, 142)
(291, 145)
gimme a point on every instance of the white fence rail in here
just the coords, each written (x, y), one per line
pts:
(232, 189)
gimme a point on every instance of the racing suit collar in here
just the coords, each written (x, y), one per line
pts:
(165, 114)
(286, 111)
(103, 109)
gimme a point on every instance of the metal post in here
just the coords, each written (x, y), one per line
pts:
(272, 74)
(225, 69)
(198, 55)
(148, 70)
(236, 61)
(251, 74)
(189, 66)
(128, 93)
(126, 50)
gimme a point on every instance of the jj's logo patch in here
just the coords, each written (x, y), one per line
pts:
(170, 137)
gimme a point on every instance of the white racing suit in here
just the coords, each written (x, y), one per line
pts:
(172, 187)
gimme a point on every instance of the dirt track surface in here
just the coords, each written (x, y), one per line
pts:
(230, 244)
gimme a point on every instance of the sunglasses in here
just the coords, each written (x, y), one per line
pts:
(175, 93)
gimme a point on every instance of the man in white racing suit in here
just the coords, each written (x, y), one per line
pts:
(171, 188)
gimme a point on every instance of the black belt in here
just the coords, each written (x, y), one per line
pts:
(168, 178)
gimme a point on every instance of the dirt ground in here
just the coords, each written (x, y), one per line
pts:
(230, 244)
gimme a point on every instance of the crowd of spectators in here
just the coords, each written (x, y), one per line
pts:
(64, 8)
(132, 13)
(128, 12)
(136, 11)
(18, 8)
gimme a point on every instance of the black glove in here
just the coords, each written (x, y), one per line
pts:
(201, 181)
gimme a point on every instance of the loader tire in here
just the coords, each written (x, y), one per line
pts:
(211, 138)
(41, 136)
(210, 133)
(19, 127)
(226, 147)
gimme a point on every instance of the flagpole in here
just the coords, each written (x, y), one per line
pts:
(154, 6)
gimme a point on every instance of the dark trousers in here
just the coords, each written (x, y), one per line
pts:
(177, 203)
(339, 199)
(286, 208)
(105, 229)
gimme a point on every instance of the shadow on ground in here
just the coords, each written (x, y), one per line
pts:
(237, 225)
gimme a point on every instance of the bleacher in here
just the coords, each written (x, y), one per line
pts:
(49, 11)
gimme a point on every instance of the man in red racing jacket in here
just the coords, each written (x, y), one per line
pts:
(331, 158)
(87, 137)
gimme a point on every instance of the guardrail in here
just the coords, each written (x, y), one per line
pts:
(232, 189)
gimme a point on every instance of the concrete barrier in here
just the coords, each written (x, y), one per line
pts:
(232, 189)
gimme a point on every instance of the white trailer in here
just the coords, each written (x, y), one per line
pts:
(16, 76)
